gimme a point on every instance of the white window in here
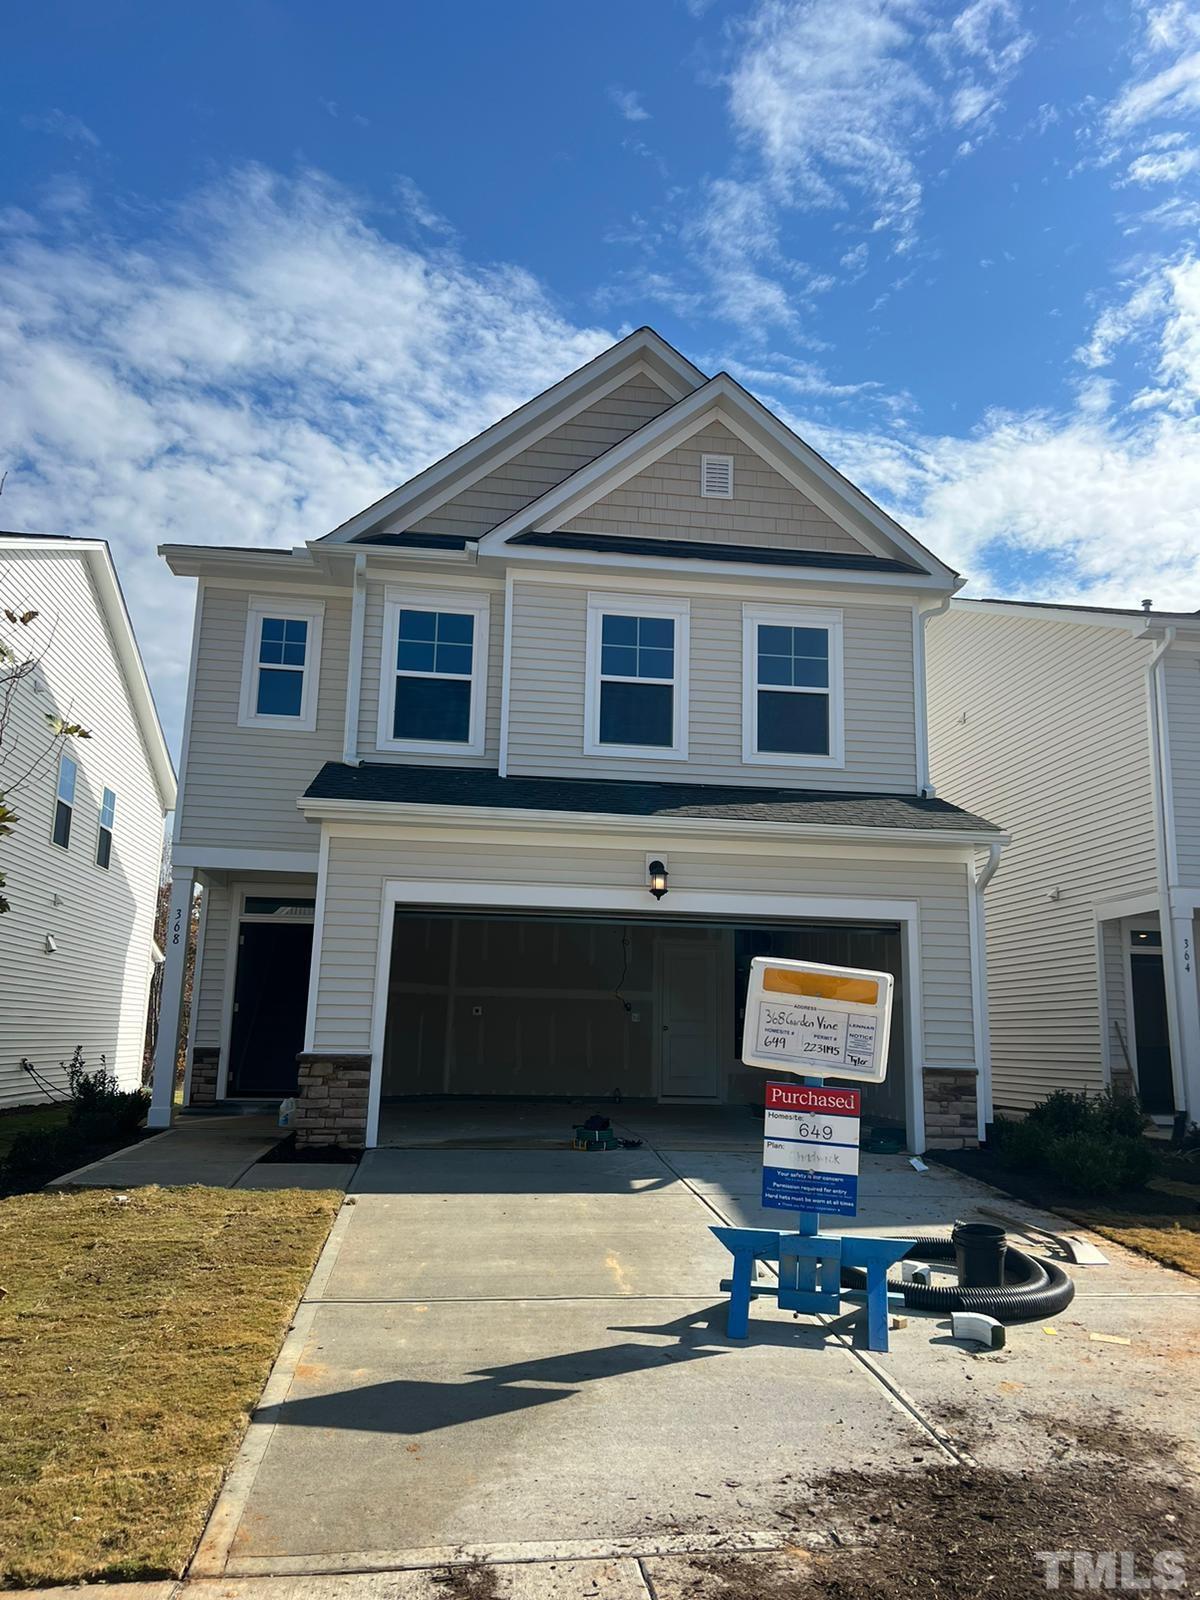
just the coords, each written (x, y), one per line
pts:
(716, 477)
(104, 836)
(282, 664)
(636, 702)
(433, 689)
(64, 802)
(792, 687)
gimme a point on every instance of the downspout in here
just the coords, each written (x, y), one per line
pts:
(979, 985)
(1159, 779)
(925, 787)
(358, 604)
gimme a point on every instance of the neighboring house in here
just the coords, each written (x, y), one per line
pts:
(83, 863)
(1079, 728)
(430, 759)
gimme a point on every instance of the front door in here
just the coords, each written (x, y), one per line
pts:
(687, 1017)
(270, 998)
(1151, 1039)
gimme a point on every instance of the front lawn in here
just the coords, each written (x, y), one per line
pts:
(136, 1333)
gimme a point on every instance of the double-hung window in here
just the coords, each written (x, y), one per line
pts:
(792, 688)
(64, 801)
(433, 692)
(637, 661)
(104, 837)
(281, 665)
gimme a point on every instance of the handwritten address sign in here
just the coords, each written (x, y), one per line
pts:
(830, 1022)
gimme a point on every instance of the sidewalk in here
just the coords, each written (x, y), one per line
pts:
(217, 1150)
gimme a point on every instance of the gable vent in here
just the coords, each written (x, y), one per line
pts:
(716, 477)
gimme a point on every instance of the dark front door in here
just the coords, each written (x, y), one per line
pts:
(270, 997)
(1150, 1034)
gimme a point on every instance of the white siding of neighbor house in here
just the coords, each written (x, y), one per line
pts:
(664, 501)
(374, 650)
(1040, 725)
(548, 680)
(1182, 677)
(358, 868)
(93, 990)
(547, 462)
(241, 784)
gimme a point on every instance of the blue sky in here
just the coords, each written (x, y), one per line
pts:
(258, 265)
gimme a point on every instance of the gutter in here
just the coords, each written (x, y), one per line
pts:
(599, 821)
(1160, 777)
(358, 605)
(985, 1110)
(920, 699)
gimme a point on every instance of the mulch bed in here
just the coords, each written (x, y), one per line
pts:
(313, 1155)
(1040, 1189)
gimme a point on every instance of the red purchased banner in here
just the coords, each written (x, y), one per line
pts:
(799, 1097)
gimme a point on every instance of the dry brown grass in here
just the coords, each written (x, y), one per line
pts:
(1175, 1241)
(135, 1339)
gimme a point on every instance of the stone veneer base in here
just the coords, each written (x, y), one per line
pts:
(331, 1100)
(951, 1110)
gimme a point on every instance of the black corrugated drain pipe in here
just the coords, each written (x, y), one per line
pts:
(1032, 1288)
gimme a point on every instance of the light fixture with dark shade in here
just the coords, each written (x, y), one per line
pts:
(656, 871)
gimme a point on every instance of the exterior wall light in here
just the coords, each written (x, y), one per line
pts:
(656, 871)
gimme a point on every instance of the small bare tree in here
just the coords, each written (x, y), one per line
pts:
(19, 665)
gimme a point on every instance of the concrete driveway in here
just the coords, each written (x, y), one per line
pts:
(520, 1355)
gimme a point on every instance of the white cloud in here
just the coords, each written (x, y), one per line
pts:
(62, 124)
(1172, 92)
(258, 373)
(628, 103)
(1162, 166)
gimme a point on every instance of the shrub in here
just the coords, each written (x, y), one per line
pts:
(1022, 1145)
(1092, 1163)
(1115, 1111)
(1063, 1114)
(1091, 1144)
(38, 1155)
(100, 1116)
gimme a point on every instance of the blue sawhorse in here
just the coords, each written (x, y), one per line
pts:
(810, 1273)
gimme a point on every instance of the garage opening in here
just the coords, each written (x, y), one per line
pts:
(599, 1010)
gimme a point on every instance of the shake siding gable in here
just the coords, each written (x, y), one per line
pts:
(548, 461)
(664, 501)
(241, 784)
(359, 867)
(1040, 725)
(548, 678)
(92, 990)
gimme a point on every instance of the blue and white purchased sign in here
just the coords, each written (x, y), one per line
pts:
(810, 1149)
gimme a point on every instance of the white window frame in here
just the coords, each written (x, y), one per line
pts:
(600, 605)
(71, 804)
(103, 827)
(258, 608)
(471, 603)
(756, 616)
(714, 494)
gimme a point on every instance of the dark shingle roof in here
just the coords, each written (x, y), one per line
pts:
(459, 786)
(418, 541)
(704, 550)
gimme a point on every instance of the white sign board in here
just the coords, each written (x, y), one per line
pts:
(823, 1022)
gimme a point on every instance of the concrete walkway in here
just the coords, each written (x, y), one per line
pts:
(215, 1150)
(518, 1356)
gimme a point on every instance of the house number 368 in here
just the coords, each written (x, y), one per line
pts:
(177, 925)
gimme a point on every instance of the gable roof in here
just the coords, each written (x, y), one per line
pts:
(724, 399)
(642, 349)
(98, 559)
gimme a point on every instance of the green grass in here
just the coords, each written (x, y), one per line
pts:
(136, 1334)
(25, 1119)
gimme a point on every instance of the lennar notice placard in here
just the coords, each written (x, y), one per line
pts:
(827, 1022)
(810, 1149)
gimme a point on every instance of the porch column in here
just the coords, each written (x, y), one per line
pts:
(1187, 1009)
(179, 922)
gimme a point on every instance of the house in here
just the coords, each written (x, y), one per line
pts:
(83, 862)
(1079, 726)
(496, 789)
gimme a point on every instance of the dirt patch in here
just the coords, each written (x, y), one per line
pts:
(474, 1581)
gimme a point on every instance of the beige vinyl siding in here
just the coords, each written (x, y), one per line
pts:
(549, 460)
(1040, 726)
(241, 784)
(209, 998)
(1114, 937)
(1182, 675)
(359, 867)
(547, 688)
(664, 501)
(373, 651)
(93, 990)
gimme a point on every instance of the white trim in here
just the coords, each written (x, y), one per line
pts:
(674, 567)
(238, 892)
(221, 858)
(189, 702)
(1134, 624)
(758, 616)
(1136, 905)
(506, 672)
(1102, 1008)
(197, 980)
(723, 463)
(723, 905)
(461, 603)
(358, 608)
(71, 804)
(642, 351)
(723, 399)
(258, 608)
(601, 604)
(314, 972)
(639, 578)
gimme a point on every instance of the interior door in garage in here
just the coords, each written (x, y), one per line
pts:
(687, 980)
